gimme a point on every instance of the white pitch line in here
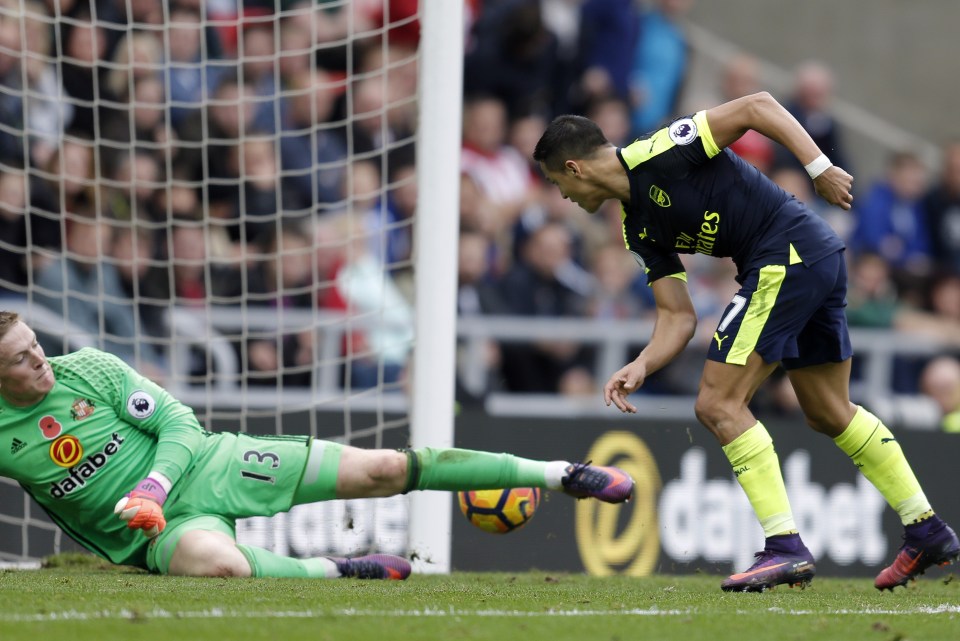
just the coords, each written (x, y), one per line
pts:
(218, 613)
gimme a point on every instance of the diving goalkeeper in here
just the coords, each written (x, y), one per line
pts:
(126, 470)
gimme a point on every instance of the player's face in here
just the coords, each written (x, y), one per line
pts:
(25, 374)
(575, 188)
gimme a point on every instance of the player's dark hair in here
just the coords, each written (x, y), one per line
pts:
(568, 137)
(7, 320)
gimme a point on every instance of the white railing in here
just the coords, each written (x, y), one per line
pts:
(210, 329)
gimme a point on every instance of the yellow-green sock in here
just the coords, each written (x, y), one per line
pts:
(876, 453)
(757, 468)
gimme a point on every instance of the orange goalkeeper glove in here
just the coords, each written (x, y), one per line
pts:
(142, 508)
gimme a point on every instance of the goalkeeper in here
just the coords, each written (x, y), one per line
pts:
(126, 470)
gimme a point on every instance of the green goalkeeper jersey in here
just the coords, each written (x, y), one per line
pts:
(100, 430)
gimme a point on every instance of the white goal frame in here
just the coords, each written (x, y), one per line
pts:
(435, 244)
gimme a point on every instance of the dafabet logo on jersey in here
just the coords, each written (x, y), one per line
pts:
(80, 471)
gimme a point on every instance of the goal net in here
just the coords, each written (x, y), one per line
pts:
(225, 195)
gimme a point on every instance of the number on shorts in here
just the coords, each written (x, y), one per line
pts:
(738, 302)
(264, 458)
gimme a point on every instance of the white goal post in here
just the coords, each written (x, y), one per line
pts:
(173, 202)
(441, 81)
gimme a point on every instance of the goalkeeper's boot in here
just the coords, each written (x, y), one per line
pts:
(608, 484)
(784, 560)
(374, 566)
(925, 544)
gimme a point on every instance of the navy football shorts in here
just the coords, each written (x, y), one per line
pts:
(787, 313)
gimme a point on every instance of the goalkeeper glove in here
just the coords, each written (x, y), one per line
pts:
(142, 508)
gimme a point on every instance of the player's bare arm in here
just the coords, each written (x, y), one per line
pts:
(675, 325)
(762, 113)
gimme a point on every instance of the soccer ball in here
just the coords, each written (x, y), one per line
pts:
(499, 511)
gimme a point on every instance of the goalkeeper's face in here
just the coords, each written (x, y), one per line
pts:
(25, 374)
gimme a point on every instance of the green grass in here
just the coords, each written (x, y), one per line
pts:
(83, 600)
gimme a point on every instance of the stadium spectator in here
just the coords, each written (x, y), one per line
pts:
(120, 17)
(796, 182)
(477, 214)
(297, 44)
(942, 206)
(351, 279)
(522, 134)
(398, 18)
(192, 70)
(789, 309)
(604, 69)
(23, 233)
(143, 277)
(330, 27)
(158, 511)
(262, 201)
(873, 301)
(12, 144)
(134, 182)
(209, 142)
(552, 207)
(197, 279)
(137, 56)
(890, 219)
(83, 70)
(940, 380)
(402, 200)
(540, 285)
(257, 53)
(944, 297)
(313, 147)
(382, 111)
(65, 185)
(741, 77)
(477, 295)
(612, 115)
(513, 57)
(139, 122)
(32, 100)
(660, 62)
(810, 104)
(367, 115)
(613, 297)
(280, 278)
(87, 292)
(387, 227)
(500, 172)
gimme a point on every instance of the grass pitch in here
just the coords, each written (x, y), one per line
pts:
(96, 602)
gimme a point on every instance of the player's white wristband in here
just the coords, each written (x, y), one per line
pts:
(817, 166)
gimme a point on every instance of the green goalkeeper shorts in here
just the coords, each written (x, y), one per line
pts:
(239, 476)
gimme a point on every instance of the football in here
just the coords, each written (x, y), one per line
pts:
(499, 511)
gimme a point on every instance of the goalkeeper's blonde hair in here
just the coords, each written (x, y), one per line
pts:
(7, 320)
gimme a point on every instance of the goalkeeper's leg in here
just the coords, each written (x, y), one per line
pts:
(336, 471)
(206, 546)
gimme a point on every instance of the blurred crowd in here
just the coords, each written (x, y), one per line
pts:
(261, 153)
